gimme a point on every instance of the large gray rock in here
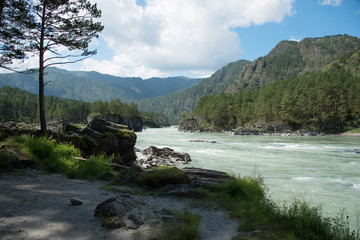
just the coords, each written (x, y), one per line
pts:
(154, 157)
(120, 212)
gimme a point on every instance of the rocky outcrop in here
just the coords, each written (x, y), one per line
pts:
(133, 123)
(101, 136)
(190, 124)
(154, 157)
(98, 137)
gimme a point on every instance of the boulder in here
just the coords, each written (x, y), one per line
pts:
(154, 157)
(103, 126)
(120, 212)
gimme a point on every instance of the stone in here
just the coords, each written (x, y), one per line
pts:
(114, 223)
(115, 206)
(153, 157)
(76, 202)
(120, 212)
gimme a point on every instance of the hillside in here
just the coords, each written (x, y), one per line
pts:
(326, 99)
(92, 86)
(175, 104)
(289, 59)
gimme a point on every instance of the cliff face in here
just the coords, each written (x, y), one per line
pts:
(289, 59)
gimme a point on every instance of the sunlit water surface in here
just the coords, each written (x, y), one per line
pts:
(323, 170)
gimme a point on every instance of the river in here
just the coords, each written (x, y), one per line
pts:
(323, 170)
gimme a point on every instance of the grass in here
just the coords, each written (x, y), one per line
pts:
(55, 157)
(161, 176)
(185, 226)
(245, 199)
(356, 130)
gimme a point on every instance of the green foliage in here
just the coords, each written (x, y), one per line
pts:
(115, 107)
(94, 168)
(245, 199)
(125, 133)
(49, 155)
(175, 104)
(6, 162)
(245, 188)
(18, 105)
(184, 226)
(154, 120)
(329, 100)
(161, 176)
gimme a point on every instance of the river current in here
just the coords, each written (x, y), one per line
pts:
(323, 170)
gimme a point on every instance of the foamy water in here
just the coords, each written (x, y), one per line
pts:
(324, 170)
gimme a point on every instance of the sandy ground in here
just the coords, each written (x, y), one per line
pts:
(37, 206)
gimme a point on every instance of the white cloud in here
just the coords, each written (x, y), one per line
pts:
(292, 38)
(334, 3)
(166, 37)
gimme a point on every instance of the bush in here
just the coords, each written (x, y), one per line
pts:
(51, 156)
(94, 168)
(244, 188)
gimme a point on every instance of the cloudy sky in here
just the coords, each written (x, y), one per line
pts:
(194, 38)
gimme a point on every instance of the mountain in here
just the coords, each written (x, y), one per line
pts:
(175, 104)
(289, 59)
(92, 86)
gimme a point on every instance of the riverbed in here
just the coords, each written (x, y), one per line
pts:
(323, 170)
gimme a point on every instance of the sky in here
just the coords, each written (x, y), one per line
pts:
(195, 38)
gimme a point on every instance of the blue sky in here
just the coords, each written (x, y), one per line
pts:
(311, 19)
(195, 38)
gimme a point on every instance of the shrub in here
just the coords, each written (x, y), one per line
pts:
(94, 168)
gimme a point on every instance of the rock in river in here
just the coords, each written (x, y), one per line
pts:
(153, 157)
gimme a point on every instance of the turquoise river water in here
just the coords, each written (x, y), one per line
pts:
(323, 170)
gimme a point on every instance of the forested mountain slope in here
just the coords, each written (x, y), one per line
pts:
(324, 100)
(175, 104)
(92, 86)
(289, 59)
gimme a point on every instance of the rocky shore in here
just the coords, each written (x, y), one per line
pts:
(36, 205)
(193, 124)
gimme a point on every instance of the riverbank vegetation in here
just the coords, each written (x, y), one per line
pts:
(327, 100)
(244, 198)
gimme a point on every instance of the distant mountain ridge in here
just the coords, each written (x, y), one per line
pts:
(288, 59)
(175, 104)
(92, 86)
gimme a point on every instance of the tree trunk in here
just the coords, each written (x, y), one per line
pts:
(41, 74)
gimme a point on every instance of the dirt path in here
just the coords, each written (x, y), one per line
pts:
(37, 206)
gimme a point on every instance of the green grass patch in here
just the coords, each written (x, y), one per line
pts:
(95, 167)
(184, 226)
(55, 157)
(125, 133)
(161, 176)
(356, 130)
(245, 198)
